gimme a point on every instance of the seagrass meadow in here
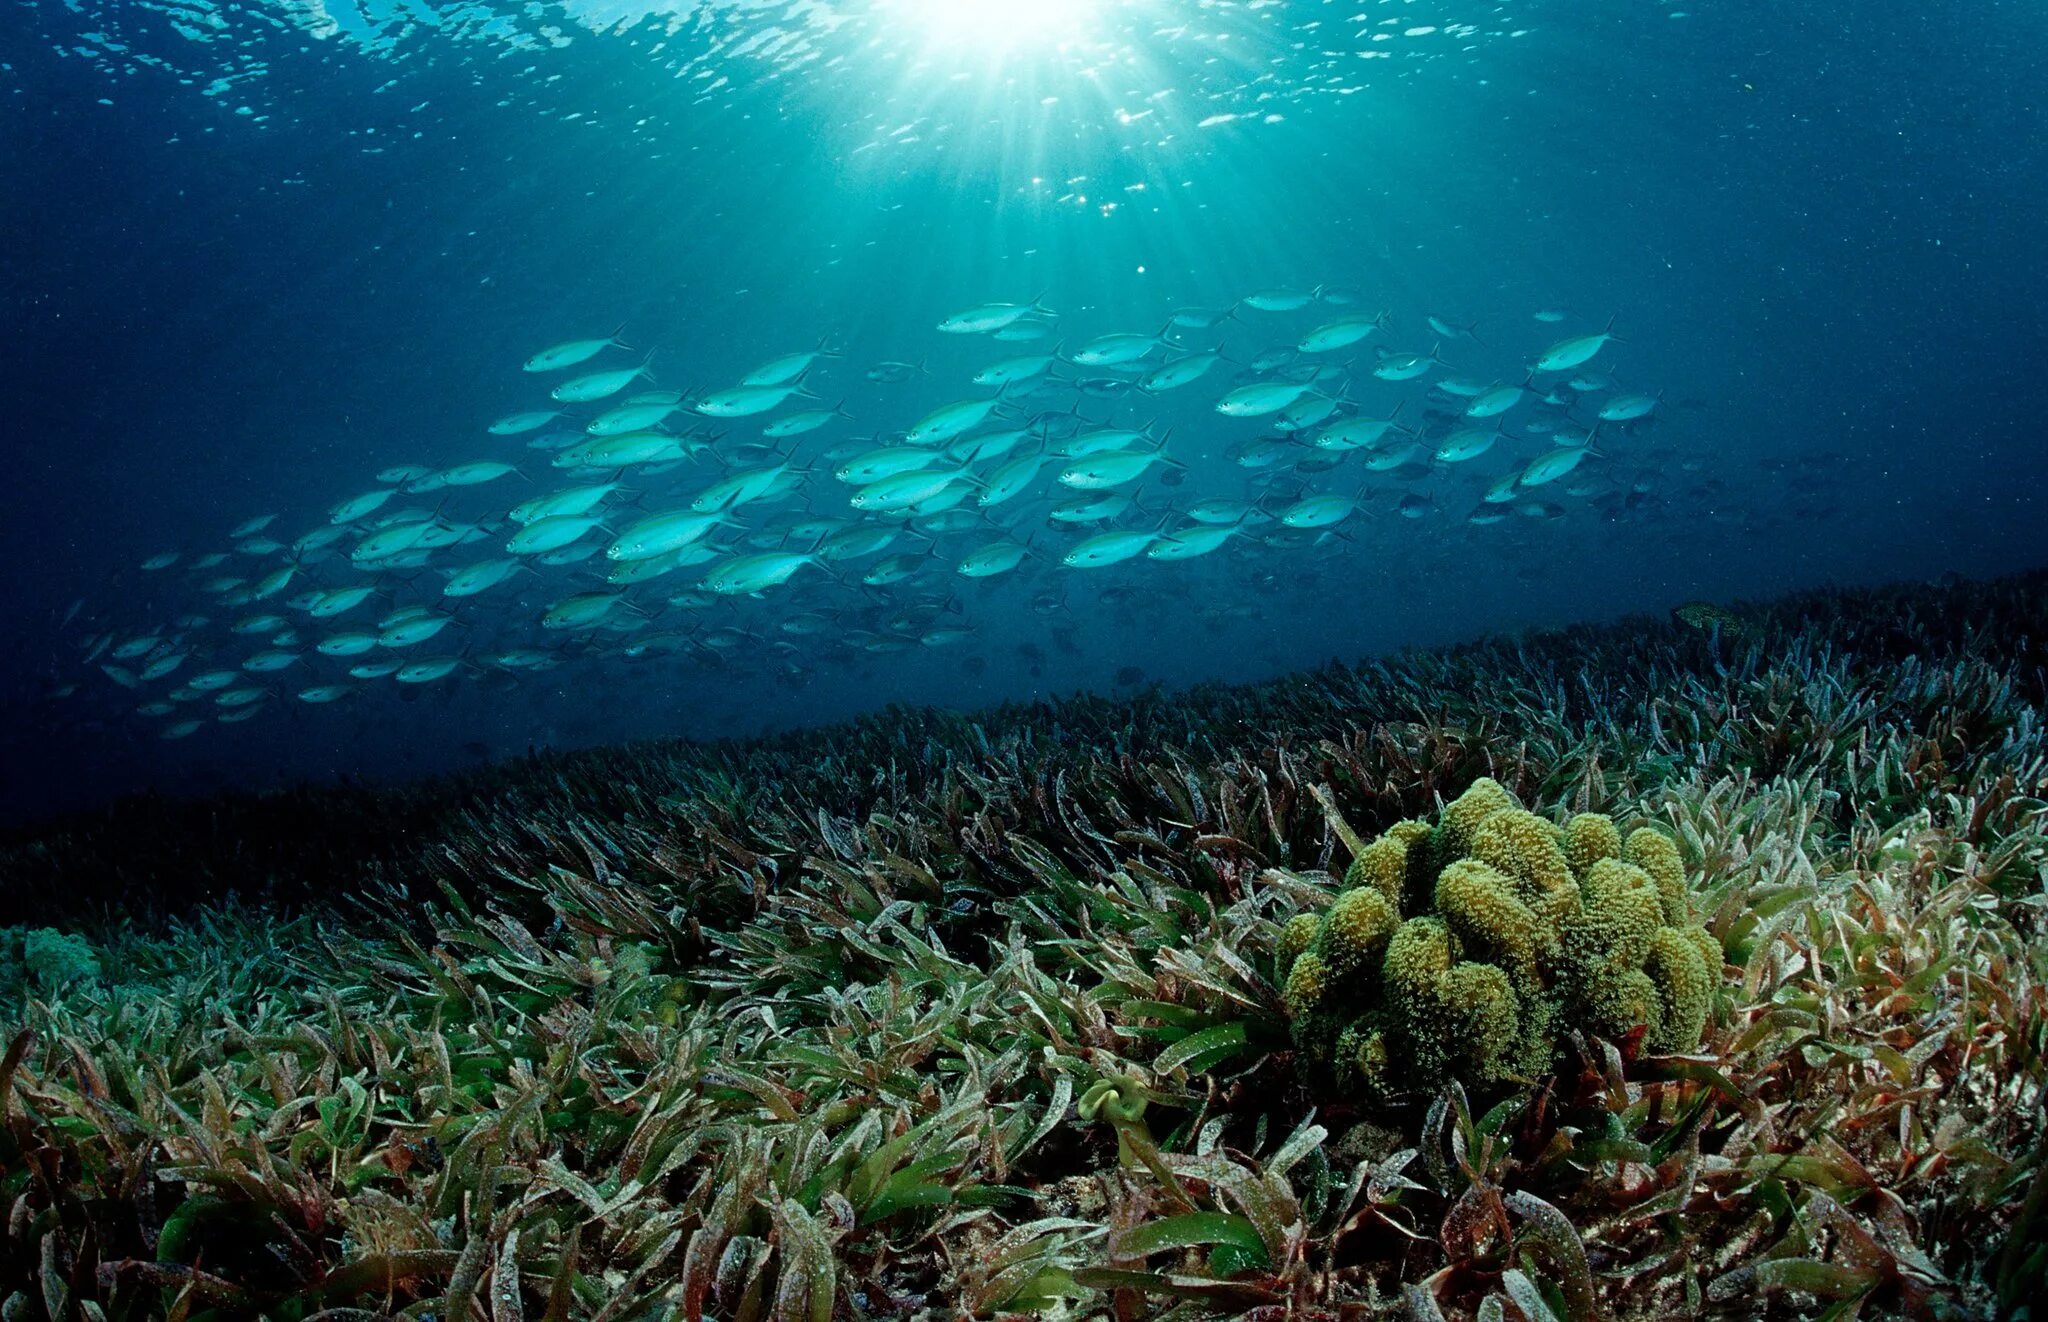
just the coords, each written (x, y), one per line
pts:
(942, 1015)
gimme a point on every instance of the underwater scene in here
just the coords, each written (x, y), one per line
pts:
(1087, 659)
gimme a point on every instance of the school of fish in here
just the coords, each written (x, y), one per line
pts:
(747, 523)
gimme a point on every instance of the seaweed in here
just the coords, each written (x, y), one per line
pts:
(937, 1013)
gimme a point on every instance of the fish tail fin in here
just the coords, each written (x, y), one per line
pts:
(1038, 304)
(618, 343)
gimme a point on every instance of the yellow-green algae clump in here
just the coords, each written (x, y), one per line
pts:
(1465, 949)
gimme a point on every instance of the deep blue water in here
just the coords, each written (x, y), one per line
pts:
(1817, 228)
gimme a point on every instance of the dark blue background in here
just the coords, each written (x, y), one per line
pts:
(1821, 229)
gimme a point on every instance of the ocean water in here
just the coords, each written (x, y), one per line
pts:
(256, 255)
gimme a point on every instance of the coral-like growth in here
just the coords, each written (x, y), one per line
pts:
(1621, 912)
(1464, 950)
(1462, 817)
(1353, 934)
(1296, 938)
(1654, 853)
(1685, 989)
(1307, 982)
(1382, 866)
(1482, 907)
(1591, 836)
